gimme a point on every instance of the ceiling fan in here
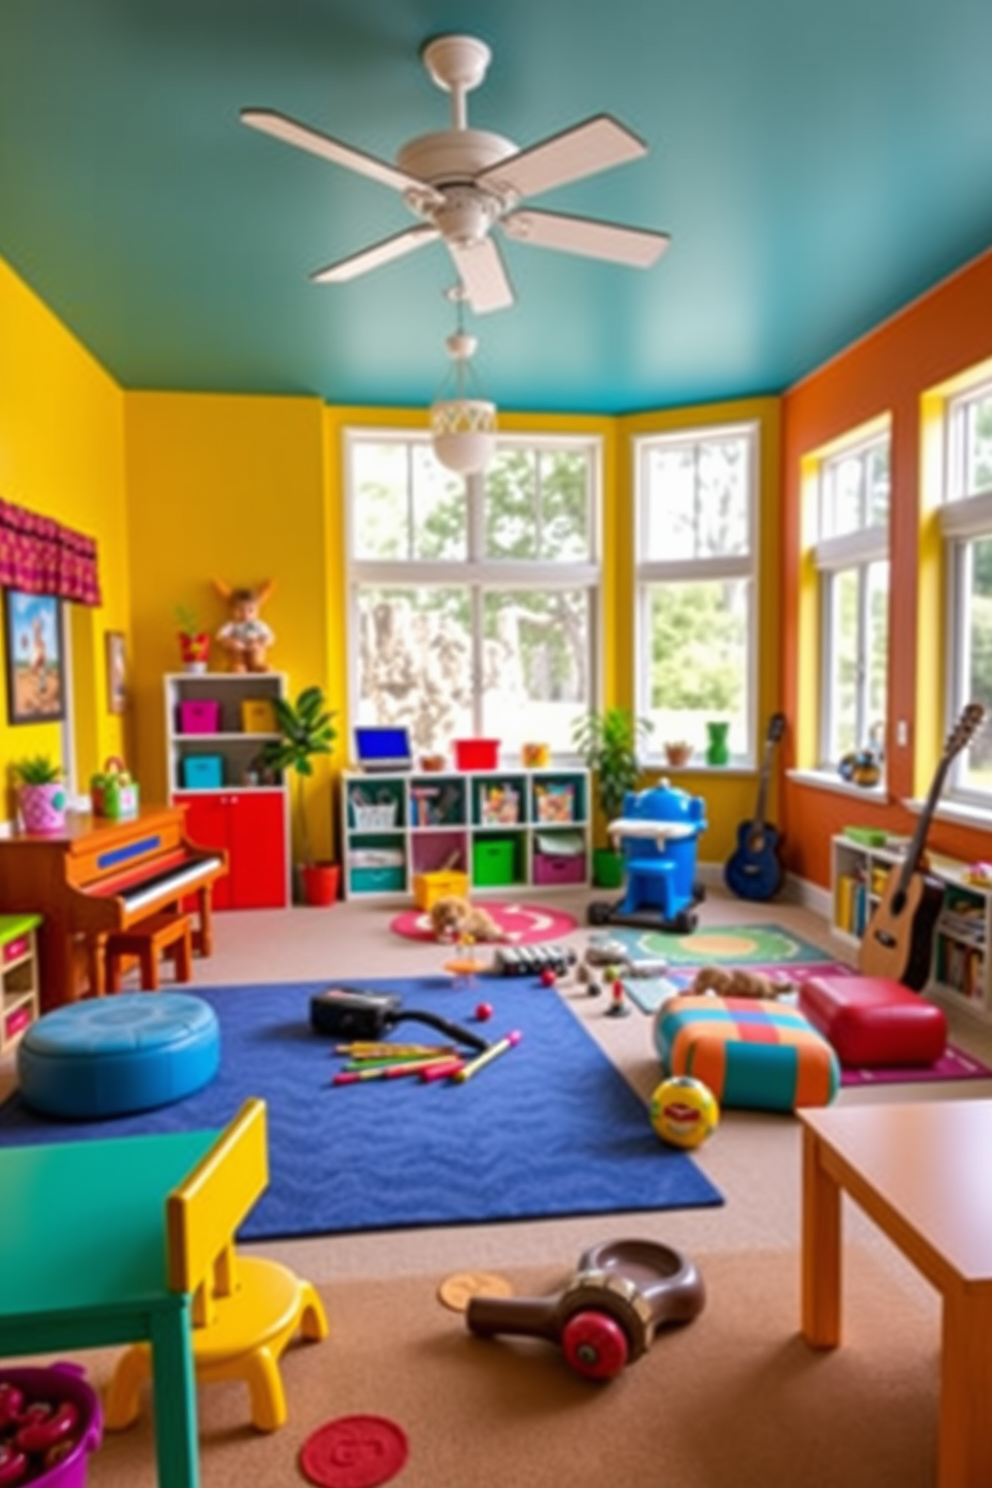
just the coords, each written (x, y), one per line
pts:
(461, 182)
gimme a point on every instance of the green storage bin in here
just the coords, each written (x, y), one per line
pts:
(494, 861)
(377, 881)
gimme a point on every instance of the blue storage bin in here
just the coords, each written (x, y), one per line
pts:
(203, 771)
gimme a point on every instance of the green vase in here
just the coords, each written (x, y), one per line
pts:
(717, 748)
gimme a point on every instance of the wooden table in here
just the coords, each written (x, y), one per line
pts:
(83, 1264)
(920, 1170)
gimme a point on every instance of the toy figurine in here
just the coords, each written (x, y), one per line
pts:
(245, 636)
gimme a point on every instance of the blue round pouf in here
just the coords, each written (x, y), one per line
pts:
(109, 1056)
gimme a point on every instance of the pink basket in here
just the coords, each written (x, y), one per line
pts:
(60, 1383)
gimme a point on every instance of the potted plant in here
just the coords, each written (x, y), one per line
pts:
(41, 794)
(608, 742)
(194, 643)
(306, 730)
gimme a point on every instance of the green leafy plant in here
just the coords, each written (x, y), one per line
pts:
(306, 729)
(609, 743)
(36, 770)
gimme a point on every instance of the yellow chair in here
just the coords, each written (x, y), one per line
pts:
(245, 1309)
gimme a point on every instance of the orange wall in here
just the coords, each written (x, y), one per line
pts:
(946, 331)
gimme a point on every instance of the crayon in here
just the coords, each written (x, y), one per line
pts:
(468, 1070)
(382, 1071)
(442, 1069)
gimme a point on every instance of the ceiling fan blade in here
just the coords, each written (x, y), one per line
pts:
(374, 257)
(484, 279)
(281, 127)
(636, 246)
(595, 145)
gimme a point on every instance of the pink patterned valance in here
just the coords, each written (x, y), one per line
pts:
(40, 556)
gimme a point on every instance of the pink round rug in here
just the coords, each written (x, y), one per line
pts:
(522, 924)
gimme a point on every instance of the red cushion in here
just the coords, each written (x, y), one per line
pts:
(872, 1021)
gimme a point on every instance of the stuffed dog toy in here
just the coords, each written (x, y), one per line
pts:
(456, 919)
(738, 983)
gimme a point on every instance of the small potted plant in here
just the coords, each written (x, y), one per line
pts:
(41, 794)
(306, 729)
(194, 643)
(609, 742)
(678, 752)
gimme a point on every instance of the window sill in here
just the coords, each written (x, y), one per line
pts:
(820, 780)
(961, 814)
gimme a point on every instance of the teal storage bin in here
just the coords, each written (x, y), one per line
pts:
(203, 771)
(377, 881)
(494, 862)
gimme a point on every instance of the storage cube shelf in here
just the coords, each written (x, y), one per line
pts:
(214, 737)
(488, 831)
(960, 973)
(19, 1005)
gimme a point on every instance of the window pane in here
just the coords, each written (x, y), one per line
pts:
(698, 634)
(842, 663)
(978, 453)
(696, 500)
(975, 768)
(856, 490)
(537, 505)
(415, 662)
(405, 504)
(535, 665)
(876, 651)
(878, 485)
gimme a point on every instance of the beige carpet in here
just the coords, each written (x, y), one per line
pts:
(732, 1400)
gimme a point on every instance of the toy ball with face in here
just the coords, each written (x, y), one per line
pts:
(684, 1111)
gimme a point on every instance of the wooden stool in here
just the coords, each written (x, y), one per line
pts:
(148, 940)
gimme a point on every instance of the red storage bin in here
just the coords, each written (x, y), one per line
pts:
(570, 869)
(476, 754)
(200, 716)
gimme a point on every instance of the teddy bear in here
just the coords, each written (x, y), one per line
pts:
(738, 983)
(455, 919)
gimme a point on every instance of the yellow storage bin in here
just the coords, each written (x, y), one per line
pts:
(258, 716)
(428, 888)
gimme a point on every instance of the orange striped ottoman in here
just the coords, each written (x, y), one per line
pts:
(751, 1053)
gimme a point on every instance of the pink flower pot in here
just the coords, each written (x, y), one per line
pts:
(43, 807)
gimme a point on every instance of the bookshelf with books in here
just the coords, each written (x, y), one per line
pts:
(961, 975)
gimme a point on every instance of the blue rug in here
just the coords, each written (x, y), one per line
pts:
(549, 1129)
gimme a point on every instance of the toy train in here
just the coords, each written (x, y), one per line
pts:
(531, 960)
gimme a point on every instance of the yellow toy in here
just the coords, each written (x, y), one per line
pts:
(245, 1308)
(245, 636)
(684, 1111)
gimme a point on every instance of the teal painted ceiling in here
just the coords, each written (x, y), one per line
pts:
(817, 164)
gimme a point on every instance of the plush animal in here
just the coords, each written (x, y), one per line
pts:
(738, 983)
(456, 919)
(245, 636)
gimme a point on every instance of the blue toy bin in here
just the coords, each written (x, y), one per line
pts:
(59, 1383)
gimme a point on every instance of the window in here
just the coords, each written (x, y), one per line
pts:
(696, 583)
(473, 601)
(851, 558)
(966, 520)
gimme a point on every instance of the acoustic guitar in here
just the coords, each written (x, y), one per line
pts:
(899, 938)
(754, 869)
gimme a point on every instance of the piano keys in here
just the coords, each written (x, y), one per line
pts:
(101, 876)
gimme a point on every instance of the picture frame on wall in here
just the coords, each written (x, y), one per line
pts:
(34, 657)
(116, 658)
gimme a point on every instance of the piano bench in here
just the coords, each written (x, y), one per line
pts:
(161, 934)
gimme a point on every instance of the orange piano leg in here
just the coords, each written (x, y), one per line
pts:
(203, 940)
(96, 950)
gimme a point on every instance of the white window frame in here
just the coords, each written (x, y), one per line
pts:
(848, 552)
(475, 572)
(649, 573)
(965, 517)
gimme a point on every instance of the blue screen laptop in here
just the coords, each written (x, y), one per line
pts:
(383, 747)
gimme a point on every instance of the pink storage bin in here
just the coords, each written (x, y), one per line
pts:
(201, 716)
(563, 870)
(59, 1383)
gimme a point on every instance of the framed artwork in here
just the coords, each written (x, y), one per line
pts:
(34, 659)
(116, 671)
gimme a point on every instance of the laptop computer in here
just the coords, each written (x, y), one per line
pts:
(382, 747)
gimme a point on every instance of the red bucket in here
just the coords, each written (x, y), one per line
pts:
(59, 1384)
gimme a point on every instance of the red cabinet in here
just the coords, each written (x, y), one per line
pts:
(251, 825)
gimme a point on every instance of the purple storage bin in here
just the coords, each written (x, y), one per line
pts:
(201, 716)
(59, 1383)
(566, 869)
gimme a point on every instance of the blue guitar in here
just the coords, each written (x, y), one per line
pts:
(754, 870)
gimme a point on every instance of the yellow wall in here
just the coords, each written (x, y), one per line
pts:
(61, 455)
